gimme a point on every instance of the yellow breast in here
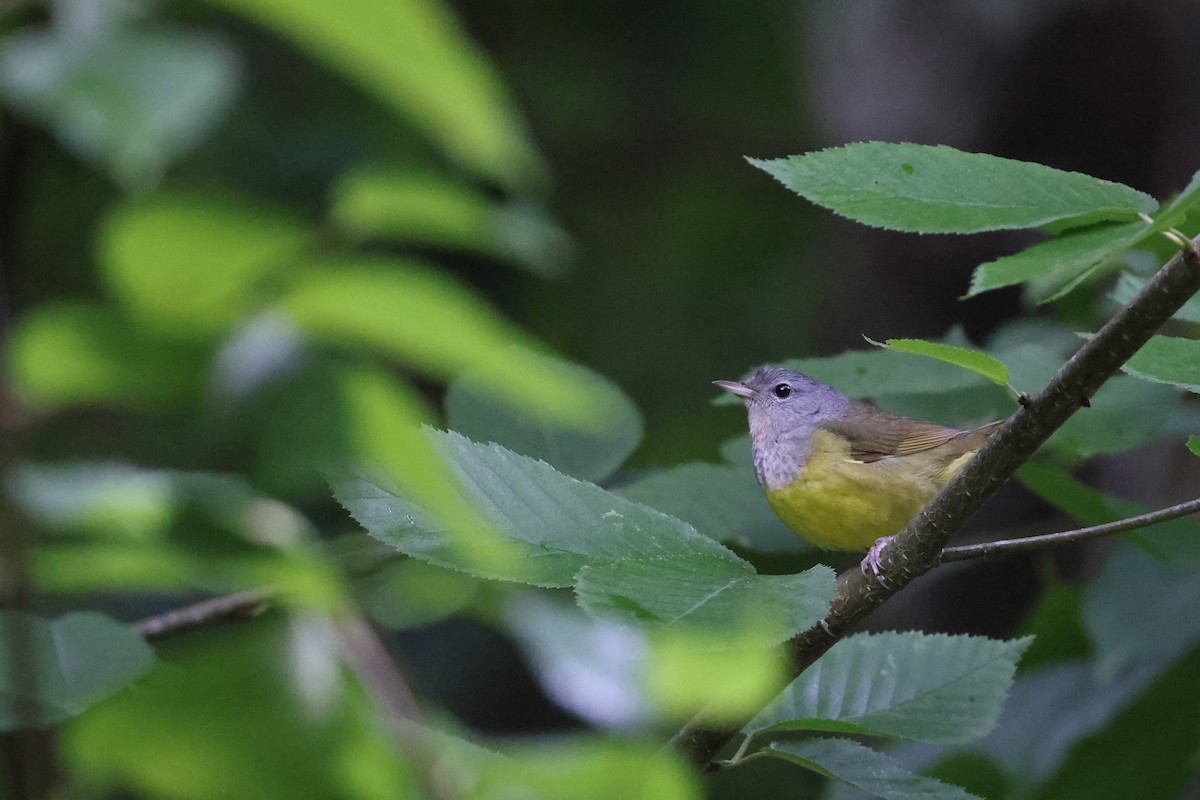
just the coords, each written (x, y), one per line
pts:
(842, 504)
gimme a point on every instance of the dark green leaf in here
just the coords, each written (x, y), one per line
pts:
(553, 524)
(923, 189)
(705, 593)
(873, 373)
(1124, 414)
(590, 449)
(872, 772)
(931, 688)
(1128, 286)
(77, 659)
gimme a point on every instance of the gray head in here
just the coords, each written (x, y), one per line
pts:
(784, 408)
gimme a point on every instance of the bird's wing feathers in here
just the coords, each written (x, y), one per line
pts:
(877, 434)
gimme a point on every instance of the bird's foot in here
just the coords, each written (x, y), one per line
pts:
(870, 565)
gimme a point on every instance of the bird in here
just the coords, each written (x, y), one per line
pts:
(841, 472)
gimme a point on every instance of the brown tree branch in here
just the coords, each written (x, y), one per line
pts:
(917, 548)
(1028, 544)
(239, 605)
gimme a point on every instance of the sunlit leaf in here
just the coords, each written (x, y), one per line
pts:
(590, 449)
(431, 322)
(874, 773)
(66, 355)
(263, 711)
(77, 660)
(428, 209)
(988, 366)
(932, 688)
(413, 56)
(924, 189)
(191, 263)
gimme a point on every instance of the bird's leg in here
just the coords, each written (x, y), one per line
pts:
(870, 564)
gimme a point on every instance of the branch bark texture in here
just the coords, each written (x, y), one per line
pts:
(917, 548)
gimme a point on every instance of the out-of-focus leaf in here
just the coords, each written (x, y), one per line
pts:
(412, 55)
(874, 773)
(698, 591)
(1193, 444)
(924, 189)
(407, 593)
(1168, 359)
(190, 263)
(1124, 414)
(723, 501)
(588, 666)
(1158, 732)
(555, 524)
(130, 101)
(77, 659)
(988, 366)
(131, 527)
(585, 770)
(431, 322)
(1059, 264)
(262, 712)
(590, 450)
(1172, 540)
(427, 209)
(931, 688)
(1141, 613)
(1128, 286)
(66, 355)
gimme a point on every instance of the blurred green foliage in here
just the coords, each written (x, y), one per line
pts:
(246, 244)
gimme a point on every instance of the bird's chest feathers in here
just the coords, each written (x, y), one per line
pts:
(837, 502)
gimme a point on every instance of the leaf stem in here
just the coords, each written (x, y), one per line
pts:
(1026, 544)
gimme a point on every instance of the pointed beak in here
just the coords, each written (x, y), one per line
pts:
(740, 389)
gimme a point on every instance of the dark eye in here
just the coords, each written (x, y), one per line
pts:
(782, 390)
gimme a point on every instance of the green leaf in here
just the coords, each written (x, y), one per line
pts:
(1182, 203)
(989, 367)
(555, 524)
(263, 711)
(872, 772)
(191, 263)
(67, 355)
(1193, 444)
(1173, 540)
(131, 101)
(705, 593)
(1060, 264)
(1125, 413)
(1141, 613)
(931, 688)
(431, 322)
(77, 660)
(923, 189)
(428, 209)
(872, 373)
(413, 56)
(722, 501)
(1167, 359)
(591, 449)
(1128, 286)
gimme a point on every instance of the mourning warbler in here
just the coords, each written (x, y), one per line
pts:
(841, 472)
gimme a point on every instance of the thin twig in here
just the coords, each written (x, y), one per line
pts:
(1026, 544)
(916, 549)
(239, 605)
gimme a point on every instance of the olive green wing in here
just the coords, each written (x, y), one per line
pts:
(875, 434)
